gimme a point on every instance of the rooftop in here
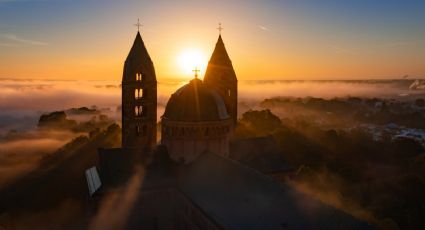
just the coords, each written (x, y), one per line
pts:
(239, 197)
(195, 102)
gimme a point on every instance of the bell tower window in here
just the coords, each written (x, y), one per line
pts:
(136, 111)
(140, 111)
(138, 77)
(137, 93)
(140, 93)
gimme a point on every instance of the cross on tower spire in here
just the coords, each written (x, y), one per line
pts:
(196, 71)
(220, 28)
(138, 24)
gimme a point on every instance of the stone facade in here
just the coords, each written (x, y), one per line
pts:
(139, 99)
(195, 121)
(221, 77)
(185, 141)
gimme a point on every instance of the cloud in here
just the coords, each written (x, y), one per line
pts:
(23, 101)
(263, 28)
(12, 39)
(51, 95)
(254, 90)
(55, 95)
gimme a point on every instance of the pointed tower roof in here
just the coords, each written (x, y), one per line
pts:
(220, 66)
(138, 61)
(220, 56)
(138, 50)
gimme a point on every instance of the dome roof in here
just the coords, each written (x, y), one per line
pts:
(195, 102)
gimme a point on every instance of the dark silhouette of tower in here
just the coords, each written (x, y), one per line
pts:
(221, 76)
(139, 99)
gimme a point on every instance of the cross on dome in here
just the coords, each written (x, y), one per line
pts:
(196, 71)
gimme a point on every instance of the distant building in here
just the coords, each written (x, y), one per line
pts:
(198, 178)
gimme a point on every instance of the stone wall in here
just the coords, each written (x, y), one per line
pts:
(185, 141)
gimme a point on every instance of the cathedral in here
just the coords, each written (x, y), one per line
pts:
(192, 179)
(199, 116)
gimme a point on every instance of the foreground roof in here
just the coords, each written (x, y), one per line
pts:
(238, 197)
(230, 195)
(260, 153)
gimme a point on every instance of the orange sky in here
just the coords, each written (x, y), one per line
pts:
(266, 40)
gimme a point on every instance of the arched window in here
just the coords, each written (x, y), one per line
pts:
(140, 111)
(137, 93)
(228, 92)
(138, 77)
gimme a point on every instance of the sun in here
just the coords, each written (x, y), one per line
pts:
(189, 59)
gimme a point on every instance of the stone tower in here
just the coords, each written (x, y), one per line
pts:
(221, 76)
(139, 99)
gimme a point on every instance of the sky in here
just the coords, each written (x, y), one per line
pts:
(266, 39)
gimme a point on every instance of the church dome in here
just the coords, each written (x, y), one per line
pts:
(195, 102)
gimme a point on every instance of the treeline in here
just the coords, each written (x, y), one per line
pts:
(59, 120)
(382, 181)
(352, 109)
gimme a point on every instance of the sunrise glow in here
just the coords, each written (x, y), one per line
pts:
(214, 114)
(189, 59)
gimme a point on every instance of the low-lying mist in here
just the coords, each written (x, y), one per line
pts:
(23, 101)
(23, 154)
(305, 128)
